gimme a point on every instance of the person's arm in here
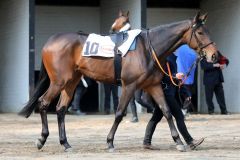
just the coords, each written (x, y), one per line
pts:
(208, 66)
(222, 59)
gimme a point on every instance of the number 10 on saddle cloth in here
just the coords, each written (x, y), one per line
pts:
(103, 46)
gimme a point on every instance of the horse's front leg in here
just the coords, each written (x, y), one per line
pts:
(127, 93)
(157, 93)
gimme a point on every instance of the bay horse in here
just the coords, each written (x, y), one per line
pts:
(63, 66)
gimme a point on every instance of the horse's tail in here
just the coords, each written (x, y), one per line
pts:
(42, 86)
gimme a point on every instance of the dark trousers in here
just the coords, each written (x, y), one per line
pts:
(144, 99)
(108, 89)
(157, 116)
(79, 92)
(218, 90)
(133, 107)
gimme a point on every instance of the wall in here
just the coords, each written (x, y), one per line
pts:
(110, 9)
(159, 16)
(223, 23)
(55, 19)
(14, 61)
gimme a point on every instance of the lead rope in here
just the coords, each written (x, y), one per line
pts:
(171, 77)
(169, 74)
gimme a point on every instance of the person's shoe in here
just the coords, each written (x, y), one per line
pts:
(150, 147)
(76, 112)
(150, 110)
(134, 120)
(211, 113)
(225, 113)
(181, 148)
(107, 112)
(194, 143)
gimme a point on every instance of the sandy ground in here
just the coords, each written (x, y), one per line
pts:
(87, 135)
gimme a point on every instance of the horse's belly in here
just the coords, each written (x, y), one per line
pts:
(100, 69)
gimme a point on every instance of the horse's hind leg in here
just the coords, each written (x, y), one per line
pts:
(127, 93)
(43, 103)
(65, 98)
(157, 93)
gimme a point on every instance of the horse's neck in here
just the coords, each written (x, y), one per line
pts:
(165, 39)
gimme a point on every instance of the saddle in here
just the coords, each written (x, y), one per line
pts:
(119, 38)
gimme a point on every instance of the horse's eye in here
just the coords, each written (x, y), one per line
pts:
(200, 33)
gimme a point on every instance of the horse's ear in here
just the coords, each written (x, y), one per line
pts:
(127, 14)
(204, 17)
(120, 13)
(196, 18)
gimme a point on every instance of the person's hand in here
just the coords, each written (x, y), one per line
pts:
(221, 66)
(188, 98)
(179, 75)
(216, 65)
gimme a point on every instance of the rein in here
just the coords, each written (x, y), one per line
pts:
(169, 74)
(153, 53)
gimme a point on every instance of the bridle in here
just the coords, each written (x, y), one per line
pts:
(202, 54)
(200, 46)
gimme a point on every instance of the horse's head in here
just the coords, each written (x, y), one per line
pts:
(197, 37)
(121, 23)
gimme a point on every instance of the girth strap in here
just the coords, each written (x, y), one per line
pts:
(118, 68)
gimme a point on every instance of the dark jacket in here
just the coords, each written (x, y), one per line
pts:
(168, 88)
(212, 75)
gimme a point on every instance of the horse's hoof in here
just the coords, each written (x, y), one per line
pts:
(39, 144)
(181, 148)
(67, 147)
(110, 146)
(111, 150)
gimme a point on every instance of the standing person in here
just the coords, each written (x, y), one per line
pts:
(186, 57)
(145, 100)
(212, 80)
(108, 89)
(134, 110)
(170, 92)
(81, 89)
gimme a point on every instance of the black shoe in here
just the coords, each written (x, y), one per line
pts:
(107, 112)
(211, 113)
(76, 112)
(150, 147)
(134, 120)
(194, 143)
(150, 110)
(225, 113)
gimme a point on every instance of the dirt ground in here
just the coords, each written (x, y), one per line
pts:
(87, 135)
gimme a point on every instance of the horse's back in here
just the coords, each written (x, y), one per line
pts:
(62, 40)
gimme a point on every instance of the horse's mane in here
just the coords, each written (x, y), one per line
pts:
(169, 25)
